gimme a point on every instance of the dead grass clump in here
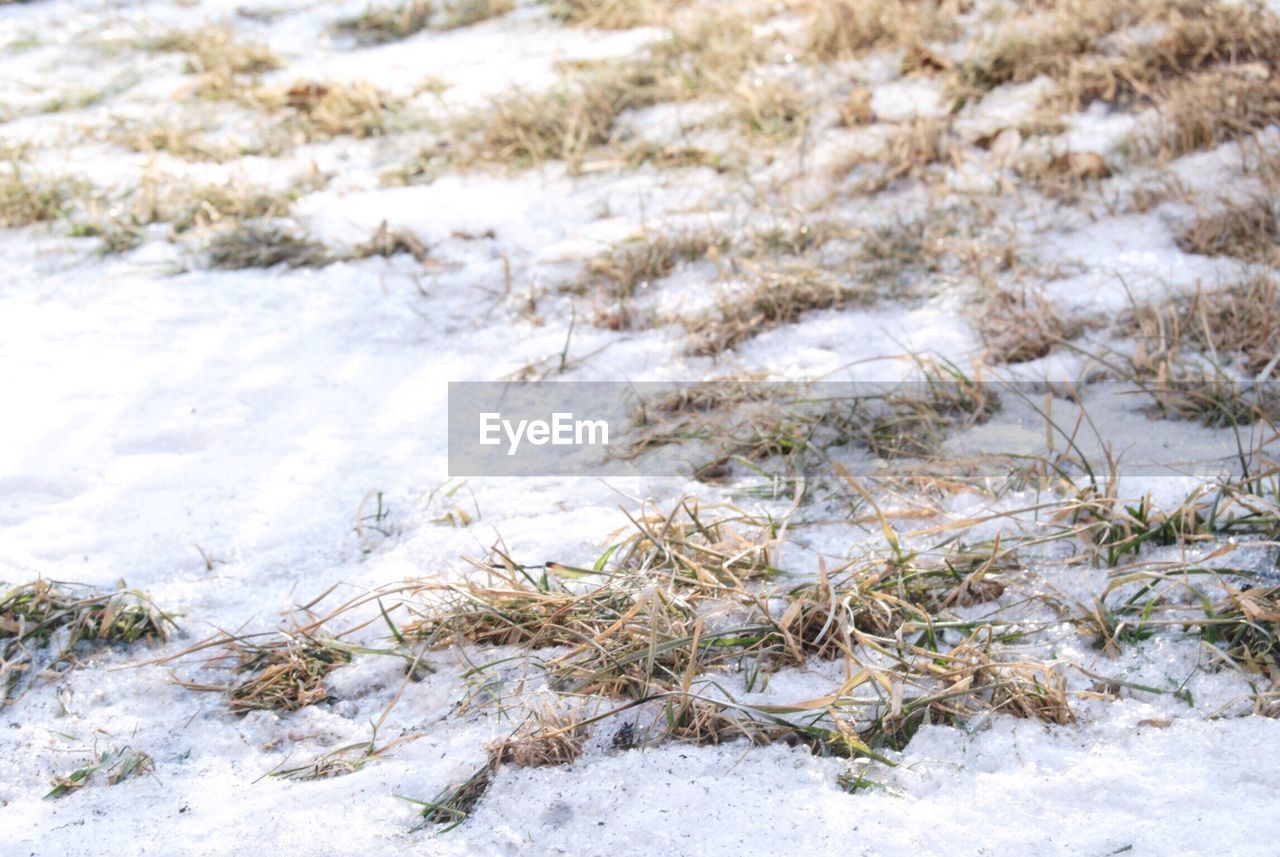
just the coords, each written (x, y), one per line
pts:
(702, 58)
(545, 739)
(561, 124)
(163, 200)
(119, 764)
(691, 719)
(180, 140)
(43, 624)
(388, 242)
(610, 14)
(1200, 50)
(1215, 107)
(777, 298)
(839, 29)
(26, 199)
(1248, 230)
(1016, 328)
(542, 740)
(321, 111)
(1027, 690)
(1244, 626)
(508, 613)
(769, 110)
(464, 13)
(379, 25)
(1064, 176)
(283, 674)
(263, 245)
(1239, 324)
(915, 420)
(908, 151)
(219, 57)
(118, 235)
(638, 262)
(1025, 49)
(695, 545)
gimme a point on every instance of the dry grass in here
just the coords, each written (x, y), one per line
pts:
(282, 674)
(1249, 231)
(611, 14)
(182, 140)
(379, 25)
(118, 763)
(641, 261)
(313, 110)
(705, 57)
(165, 199)
(1209, 70)
(768, 110)
(388, 242)
(1215, 107)
(263, 245)
(908, 151)
(776, 298)
(1238, 325)
(221, 59)
(27, 198)
(44, 624)
(839, 29)
(1016, 328)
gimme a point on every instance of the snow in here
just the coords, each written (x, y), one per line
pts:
(212, 437)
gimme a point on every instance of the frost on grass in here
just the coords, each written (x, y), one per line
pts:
(45, 625)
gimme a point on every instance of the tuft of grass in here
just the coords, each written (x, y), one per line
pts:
(769, 110)
(640, 261)
(840, 29)
(283, 674)
(1216, 107)
(544, 739)
(184, 141)
(378, 25)
(313, 110)
(1237, 325)
(704, 57)
(26, 199)
(219, 57)
(185, 207)
(44, 624)
(1016, 328)
(263, 245)
(609, 14)
(118, 763)
(776, 298)
(1248, 230)
(387, 242)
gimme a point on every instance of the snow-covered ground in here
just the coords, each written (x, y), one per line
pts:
(213, 438)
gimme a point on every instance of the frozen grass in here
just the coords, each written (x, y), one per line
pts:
(380, 24)
(118, 764)
(27, 198)
(281, 674)
(263, 245)
(45, 625)
(219, 58)
(312, 110)
(839, 29)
